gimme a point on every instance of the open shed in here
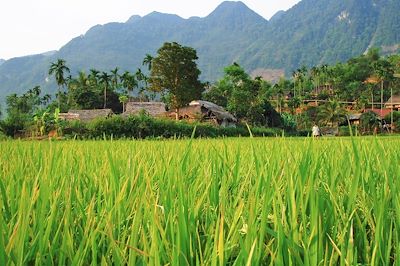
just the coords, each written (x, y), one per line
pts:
(207, 111)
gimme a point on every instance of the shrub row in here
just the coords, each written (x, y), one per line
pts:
(143, 126)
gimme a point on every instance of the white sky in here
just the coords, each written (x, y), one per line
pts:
(36, 26)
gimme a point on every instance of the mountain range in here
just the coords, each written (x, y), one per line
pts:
(310, 33)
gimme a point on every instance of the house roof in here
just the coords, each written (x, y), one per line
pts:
(384, 113)
(354, 116)
(217, 110)
(69, 116)
(152, 108)
(372, 80)
(88, 115)
(395, 99)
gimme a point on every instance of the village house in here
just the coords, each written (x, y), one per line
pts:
(86, 115)
(207, 111)
(380, 113)
(393, 103)
(354, 119)
(155, 109)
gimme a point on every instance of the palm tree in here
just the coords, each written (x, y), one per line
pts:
(78, 85)
(105, 79)
(142, 79)
(295, 75)
(58, 68)
(148, 61)
(128, 81)
(278, 90)
(315, 71)
(94, 76)
(115, 78)
(384, 72)
(303, 74)
(331, 113)
(123, 99)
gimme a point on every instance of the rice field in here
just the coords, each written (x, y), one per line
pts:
(238, 201)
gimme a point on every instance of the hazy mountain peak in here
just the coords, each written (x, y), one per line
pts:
(233, 8)
(277, 15)
(156, 14)
(2, 61)
(232, 4)
(49, 53)
(133, 19)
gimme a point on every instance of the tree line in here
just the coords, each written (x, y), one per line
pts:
(173, 77)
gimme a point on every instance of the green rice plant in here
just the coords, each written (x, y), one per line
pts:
(229, 201)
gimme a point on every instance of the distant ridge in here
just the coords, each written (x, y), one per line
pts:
(312, 32)
(277, 15)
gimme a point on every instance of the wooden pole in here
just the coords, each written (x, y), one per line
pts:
(396, 75)
(381, 97)
(391, 113)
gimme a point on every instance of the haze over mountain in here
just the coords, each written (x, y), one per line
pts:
(312, 32)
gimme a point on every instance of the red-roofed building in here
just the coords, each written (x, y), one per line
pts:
(380, 114)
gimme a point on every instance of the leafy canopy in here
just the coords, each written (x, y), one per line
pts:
(174, 72)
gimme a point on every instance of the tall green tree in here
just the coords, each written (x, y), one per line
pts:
(142, 83)
(244, 97)
(20, 109)
(129, 81)
(174, 72)
(83, 92)
(123, 99)
(58, 69)
(331, 113)
(148, 61)
(115, 78)
(105, 80)
(94, 77)
(384, 71)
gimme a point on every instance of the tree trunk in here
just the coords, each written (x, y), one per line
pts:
(59, 97)
(105, 97)
(294, 89)
(177, 114)
(372, 94)
(391, 111)
(381, 98)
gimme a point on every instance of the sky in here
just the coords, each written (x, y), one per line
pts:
(37, 26)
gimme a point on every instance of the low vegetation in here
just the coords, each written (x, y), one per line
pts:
(207, 202)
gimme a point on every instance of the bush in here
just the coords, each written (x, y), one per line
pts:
(396, 120)
(2, 135)
(143, 126)
(289, 121)
(13, 128)
(345, 130)
(75, 129)
(368, 122)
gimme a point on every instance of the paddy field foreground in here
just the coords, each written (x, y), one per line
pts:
(234, 201)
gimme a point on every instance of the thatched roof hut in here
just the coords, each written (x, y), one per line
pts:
(354, 119)
(203, 110)
(393, 102)
(86, 115)
(152, 108)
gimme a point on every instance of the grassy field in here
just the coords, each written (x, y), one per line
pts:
(233, 201)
